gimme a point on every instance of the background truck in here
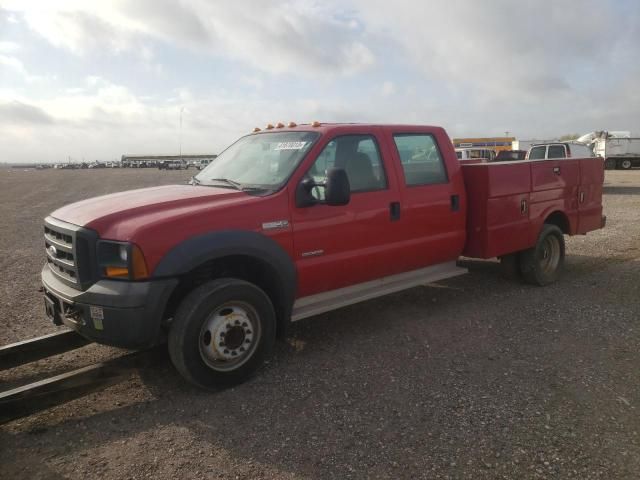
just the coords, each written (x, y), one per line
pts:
(619, 149)
(548, 150)
(291, 222)
(475, 154)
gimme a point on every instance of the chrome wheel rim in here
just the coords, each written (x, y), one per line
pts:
(229, 336)
(550, 254)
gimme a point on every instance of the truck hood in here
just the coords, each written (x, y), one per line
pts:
(143, 206)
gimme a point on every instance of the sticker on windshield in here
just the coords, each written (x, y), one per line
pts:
(291, 145)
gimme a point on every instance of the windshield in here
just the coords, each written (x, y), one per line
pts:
(263, 161)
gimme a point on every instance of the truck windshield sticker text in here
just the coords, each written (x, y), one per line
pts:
(290, 145)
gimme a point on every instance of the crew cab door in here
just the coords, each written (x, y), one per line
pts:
(432, 220)
(339, 246)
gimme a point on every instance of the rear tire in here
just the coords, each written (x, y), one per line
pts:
(542, 264)
(626, 164)
(224, 310)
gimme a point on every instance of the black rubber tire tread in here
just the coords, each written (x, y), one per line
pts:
(622, 167)
(184, 333)
(510, 266)
(529, 264)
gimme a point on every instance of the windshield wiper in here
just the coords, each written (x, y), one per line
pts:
(231, 183)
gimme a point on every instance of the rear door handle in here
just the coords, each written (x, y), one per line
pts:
(394, 211)
(556, 170)
(455, 203)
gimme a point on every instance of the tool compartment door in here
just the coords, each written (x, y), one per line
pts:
(590, 194)
(498, 208)
(554, 187)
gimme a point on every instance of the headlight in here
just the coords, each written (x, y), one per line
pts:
(121, 260)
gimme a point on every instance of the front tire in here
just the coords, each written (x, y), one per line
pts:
(542, 264)
(222, 332)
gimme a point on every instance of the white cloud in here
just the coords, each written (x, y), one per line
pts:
(388, 88)
(296, 37)
(9, 47)
(535, 69)
(15, 66)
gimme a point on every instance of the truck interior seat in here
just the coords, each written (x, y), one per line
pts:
(360, 172)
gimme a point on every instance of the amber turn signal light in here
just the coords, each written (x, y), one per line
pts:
(116, 272)
(138, 263)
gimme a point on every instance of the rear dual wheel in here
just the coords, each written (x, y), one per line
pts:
(542, 264)
(222, 333)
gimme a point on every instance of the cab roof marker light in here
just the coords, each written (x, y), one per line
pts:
(315, 123)
(269, 127)
(292, 124)
(279, 125)
(257, 129)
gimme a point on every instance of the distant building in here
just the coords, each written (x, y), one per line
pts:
(494, 143)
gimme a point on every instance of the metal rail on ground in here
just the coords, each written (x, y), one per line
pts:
(37, 396)
(19, 353)
(34, 397)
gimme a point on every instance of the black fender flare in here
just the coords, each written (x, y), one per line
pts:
(195, 251)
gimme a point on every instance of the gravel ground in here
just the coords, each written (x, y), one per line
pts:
(475, 377)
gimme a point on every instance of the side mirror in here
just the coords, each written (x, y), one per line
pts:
(337, 190)
(303, 193)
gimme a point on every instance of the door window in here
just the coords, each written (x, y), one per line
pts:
(421, 159)
(359, 156)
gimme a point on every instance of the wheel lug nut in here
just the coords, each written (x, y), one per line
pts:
(244, 324)
(226, 351)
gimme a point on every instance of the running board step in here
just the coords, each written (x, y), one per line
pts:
(323, 302)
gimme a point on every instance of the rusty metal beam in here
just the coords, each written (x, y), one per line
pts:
(19, 353)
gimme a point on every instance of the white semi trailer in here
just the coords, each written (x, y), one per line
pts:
(619, 149)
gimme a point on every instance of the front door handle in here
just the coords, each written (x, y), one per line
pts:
(556, 170)
(394, 211)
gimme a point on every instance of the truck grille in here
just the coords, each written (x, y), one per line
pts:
(69, 251)
(60, 253)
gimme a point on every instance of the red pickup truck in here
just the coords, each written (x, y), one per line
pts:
(289, 222)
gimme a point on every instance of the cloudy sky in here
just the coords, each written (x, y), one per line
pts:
(94, 80)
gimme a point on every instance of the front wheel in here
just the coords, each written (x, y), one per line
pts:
(542, 264)
(222, 333)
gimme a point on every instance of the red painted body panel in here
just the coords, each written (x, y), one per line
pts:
(157, 219)
(333, 247)
(590, 208)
